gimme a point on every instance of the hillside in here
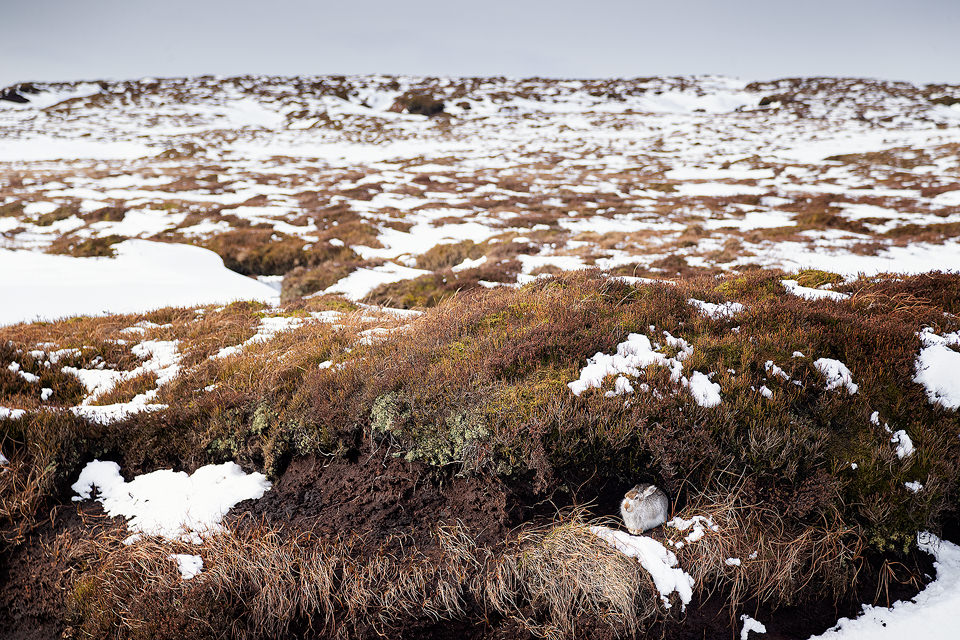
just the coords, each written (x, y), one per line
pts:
(380, 356)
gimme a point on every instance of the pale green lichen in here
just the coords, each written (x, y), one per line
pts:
(455, 440)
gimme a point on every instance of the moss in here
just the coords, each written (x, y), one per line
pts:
(815, 278)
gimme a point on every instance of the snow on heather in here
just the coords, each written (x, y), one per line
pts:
(903, 444)
(96, 381)
(931, 614)
(469, 264)
(144, 275)
(792, 286)
(26, 375)
(161, 358)
(107, 413)
(635, 354)
(269, 327)
(837, 375)
(706, 393)
(655, 559)
(772, 369)
(362, 281)
(11, 414)
(938, 368)
(698, 526)
(170, 504)
(713, 310)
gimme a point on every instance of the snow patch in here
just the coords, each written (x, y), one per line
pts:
(749, 624)
(719, 311)
(938, 368)
(837, 375)
(362, 282)
(189, 565)
(170, 504)
(145, 275)
(931, 614)
(655, 559)
(792, 286)
(706, 393)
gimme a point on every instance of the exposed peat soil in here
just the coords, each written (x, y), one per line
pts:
(390, 504)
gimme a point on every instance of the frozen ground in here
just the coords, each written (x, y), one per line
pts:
(641, 177)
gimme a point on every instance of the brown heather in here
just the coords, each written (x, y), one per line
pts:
(477, 388)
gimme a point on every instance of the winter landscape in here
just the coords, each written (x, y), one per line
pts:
(380, 356)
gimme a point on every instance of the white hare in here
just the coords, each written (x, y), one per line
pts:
(644, 507)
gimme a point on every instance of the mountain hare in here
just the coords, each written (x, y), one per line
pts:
(644, 507)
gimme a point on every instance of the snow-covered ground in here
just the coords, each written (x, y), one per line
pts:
(655, 175)
(170, 504)
(930, 616)
(143, 276)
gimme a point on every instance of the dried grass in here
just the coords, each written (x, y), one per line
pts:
(550, 580)
(778, 564)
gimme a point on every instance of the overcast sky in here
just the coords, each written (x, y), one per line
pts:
(753, 39)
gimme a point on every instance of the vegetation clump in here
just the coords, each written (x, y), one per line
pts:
(418, 103)
(256, 251)
(83, 247)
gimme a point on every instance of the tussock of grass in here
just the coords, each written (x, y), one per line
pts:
(776, 563)
(43, 449)
(259, 582)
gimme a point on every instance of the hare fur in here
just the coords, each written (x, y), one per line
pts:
(643, 508)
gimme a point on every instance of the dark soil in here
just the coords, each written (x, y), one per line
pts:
(386, 499)
(711, 619)
(379, 497)
(35, 577)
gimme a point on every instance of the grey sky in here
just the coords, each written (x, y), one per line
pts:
(752, 39)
